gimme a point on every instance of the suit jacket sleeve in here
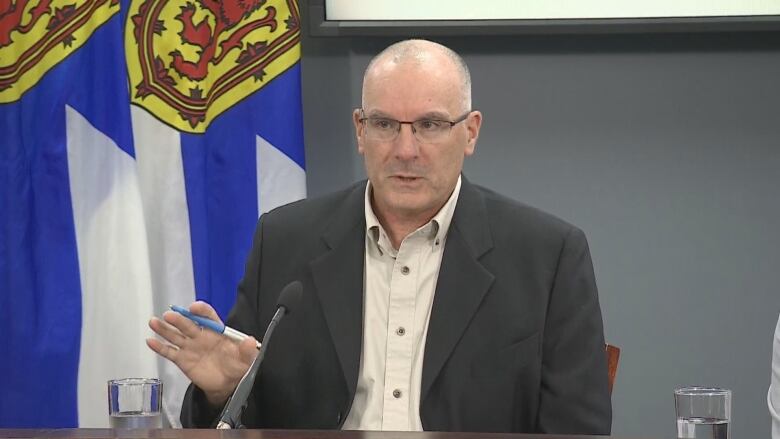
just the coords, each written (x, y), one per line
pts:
(574, 395)
(196, 412)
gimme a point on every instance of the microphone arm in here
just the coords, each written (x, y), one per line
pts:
(231, 415)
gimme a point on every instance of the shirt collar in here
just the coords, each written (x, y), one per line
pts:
(440, 222)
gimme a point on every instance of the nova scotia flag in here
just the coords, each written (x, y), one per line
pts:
(112, 210)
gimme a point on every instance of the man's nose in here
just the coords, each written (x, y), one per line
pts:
(406, 144)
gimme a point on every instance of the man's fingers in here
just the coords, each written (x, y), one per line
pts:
(167, 331)
(183, 324)
(163, 349)
(204, 309)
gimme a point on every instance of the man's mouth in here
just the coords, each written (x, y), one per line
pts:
(406, 178)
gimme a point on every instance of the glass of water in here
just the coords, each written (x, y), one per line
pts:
(703, 412)
(135, 403)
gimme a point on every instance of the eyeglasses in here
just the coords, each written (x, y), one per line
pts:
(384, 129)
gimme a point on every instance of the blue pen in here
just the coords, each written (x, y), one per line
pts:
(220, 328)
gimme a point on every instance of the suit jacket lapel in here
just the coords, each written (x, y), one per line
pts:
(338, 278)
(462, 283)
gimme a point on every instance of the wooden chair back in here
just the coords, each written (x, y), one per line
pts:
(613, 356)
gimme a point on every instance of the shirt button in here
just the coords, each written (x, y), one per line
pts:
(396, 393)
(405, 270)
(400, 330)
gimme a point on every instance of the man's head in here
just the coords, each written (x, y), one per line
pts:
(413, 174)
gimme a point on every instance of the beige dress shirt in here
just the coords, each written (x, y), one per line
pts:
(398, 288)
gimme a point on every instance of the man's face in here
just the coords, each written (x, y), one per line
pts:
(411, 178)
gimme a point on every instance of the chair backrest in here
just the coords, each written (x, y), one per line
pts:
(613, 356)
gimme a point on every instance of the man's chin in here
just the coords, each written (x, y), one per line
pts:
(409, 204)
(404, 199)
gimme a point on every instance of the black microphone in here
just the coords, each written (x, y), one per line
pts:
(231, 415)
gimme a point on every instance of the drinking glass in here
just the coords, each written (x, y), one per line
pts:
(135, 403)
(703, 412)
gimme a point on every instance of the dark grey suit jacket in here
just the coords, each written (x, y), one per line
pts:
(515, 340)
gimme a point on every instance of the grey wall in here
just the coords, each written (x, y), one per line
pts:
(664, 149)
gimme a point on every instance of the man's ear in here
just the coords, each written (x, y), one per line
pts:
(359, 128)
(473, 124)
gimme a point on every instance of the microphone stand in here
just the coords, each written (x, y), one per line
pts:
(231, 415)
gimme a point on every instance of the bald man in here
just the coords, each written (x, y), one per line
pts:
(429, 303)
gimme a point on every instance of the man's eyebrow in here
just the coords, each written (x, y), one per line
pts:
(435, 115)
(377, 113)
(431, 115)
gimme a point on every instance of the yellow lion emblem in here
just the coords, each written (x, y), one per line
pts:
(36, 36)
(189, 61)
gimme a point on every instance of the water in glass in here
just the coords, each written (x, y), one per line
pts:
(135, 420)
(702, 428)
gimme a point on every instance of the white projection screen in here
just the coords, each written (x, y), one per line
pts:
(469, 17)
